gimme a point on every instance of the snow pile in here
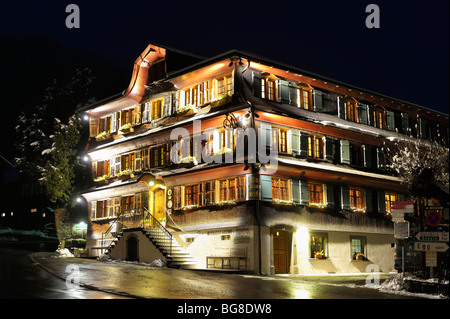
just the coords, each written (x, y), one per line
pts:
(394, 284)
(104, 257)
(157, 263)
(64, 252)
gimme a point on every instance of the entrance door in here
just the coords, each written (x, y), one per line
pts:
(158, 205)
(132, 248)
(281, 251)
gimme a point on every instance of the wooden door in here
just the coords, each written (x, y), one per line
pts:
(281, 251)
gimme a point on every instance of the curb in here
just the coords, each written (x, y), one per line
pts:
(87, 286)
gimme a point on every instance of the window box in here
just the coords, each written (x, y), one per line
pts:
(184, 110)
(102, 136)
(282, 202)
(221, 100)
(226, 202)
(127, 128)
(318, 254)
(187, 161)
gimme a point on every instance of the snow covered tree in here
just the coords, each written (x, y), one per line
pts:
(422, 166)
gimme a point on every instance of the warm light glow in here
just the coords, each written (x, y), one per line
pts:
(302, 237)
(217, 66)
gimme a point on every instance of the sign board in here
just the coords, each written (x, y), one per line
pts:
(403, 206)
(80, 227)
(401, 229)
(432, 236)
(433, 218)
(431, 259)
(430, 246)
(398, 216)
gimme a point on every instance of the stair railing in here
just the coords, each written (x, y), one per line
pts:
(135, 218)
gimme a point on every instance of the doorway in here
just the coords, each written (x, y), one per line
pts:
(132, 248)
(281, 251)
(158, 205)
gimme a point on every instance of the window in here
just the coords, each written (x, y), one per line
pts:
(208, 193)
(305, 98)
(157, 109)
(177, 204)
(351, 111)
(315, 146)
(318, 245)
(389, 198)
(356, 154)
(227, 190)
(280, 136)
(114, 206)
(241, 190)
(358, 247)
(127, 203)
(379, 118)
(102, 209)
(357, 199)
(280, 189)
(269, 87)
(157, 156)
(316, 193)
(191, 195)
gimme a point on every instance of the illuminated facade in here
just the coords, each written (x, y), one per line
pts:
(167, 176)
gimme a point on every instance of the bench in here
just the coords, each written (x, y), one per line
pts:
(227, 258)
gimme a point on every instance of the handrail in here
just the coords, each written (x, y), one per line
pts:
(137, 218)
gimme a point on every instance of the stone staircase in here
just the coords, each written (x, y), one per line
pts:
(176, 256)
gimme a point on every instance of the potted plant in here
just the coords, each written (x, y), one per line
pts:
(126, 128)
(359, 256)
(318, 254)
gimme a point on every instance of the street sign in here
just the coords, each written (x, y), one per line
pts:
(432, 236)
(403, 206)
(401, 229)
(431, 259)
(430, 246)
(433, 218)
(81, 227)
(398, 216)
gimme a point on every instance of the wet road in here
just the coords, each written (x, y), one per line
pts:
(20, 278)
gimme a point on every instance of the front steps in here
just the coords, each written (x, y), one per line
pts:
(176, 258)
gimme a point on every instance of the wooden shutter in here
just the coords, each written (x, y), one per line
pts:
(328, 148)
(283, 91)
(303, 144)
(317, 100)
(256, 84)
(295, 191)
(304, 192)
(266, 131)
(345, 197)
(370, 115)
(380, 158)
(345, 152)
(266, 187)
(329, 190)
(367, 151)
(293, 94)
(423, 128)
(368, 201)
(381, 202)
(93, 127)
(362, 113)
(294, 141)
(390, 120)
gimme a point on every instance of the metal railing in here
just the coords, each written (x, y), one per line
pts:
(135, 218)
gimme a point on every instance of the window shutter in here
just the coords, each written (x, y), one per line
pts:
(93, 127)
(256, 83)
(317, 100)
(345, 197)
(371, 115)
(167, 105)
(405, 123)
(283, 91)
(390, 120)
(137, 115)
(328, 149)
(329, 188)
(217, 142)
(341, 107)
(345, 152)
(197, 146)
(266, 133)
(362, 113)
(368, 201)
(381, 203)
(295, 190)
(380, 158)
(304, 192)
(293, 94)
(266, 187)
(367, 156)
(423, 128)
(294, 141)
(303, 144)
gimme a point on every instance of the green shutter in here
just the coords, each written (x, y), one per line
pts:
(317, 100)
(303, 144)
(256, 84)
(304, 192)
(362, 113)
(345, 197)
(405, 123)
(295, 142)
(293, 94)
(390, 120)
(370, 115)
(283, 91)
(266, 187)
(328, 148)
(368, 201)
(329, 188)
(423, 128)
(266, 131)
(380, 158)
(345, 152)
(295, 190)
(368, 156)
(381, 203)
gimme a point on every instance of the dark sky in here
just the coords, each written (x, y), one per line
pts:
(406, 58)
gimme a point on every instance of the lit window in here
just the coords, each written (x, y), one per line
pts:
(227, 190)
(280, 188)
(318, 245)
(191, 195)
(316, 193)
(358, 247)
(357, 199)
(157, 111)
(351, 111)
(315, 146)
(389, 198)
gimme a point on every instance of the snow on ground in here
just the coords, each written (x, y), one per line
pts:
(158, 263)
(64, 252)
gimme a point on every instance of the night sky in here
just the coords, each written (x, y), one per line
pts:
(406, 58)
